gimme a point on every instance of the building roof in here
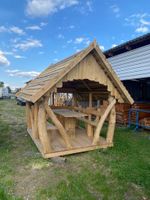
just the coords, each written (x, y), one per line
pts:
(129, 45)
(43, 83)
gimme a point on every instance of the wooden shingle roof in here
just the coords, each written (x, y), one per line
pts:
(43, 83)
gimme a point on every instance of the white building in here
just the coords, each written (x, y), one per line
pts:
(4, 92)
(131, 62)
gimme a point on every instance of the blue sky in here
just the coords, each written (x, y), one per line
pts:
(36, 33)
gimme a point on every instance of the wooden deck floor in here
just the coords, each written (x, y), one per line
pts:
(80, 143)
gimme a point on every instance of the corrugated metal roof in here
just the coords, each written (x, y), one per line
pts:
(129, 45)
(133, 64)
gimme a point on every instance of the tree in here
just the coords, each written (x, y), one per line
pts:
(1, 84)
(9, 90)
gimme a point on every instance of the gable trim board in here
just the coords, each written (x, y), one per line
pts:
(56, 73)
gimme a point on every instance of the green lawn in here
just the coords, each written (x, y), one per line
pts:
(118, 173)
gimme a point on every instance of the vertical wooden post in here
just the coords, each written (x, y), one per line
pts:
(111, 125)
(74, 100)
(33, 125)
(35, 113)
(53, 98)
(28, 115)
(42, 128)
(89, 127)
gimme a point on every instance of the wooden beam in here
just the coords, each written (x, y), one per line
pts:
(111, 126)
(74, 100)
(36, 120)
(70, 66)
(28, 115)
(88, 110)
(31, 111)
(102, 120)
(58, 124)
(42, 127)
(89, 127)
(86, 85)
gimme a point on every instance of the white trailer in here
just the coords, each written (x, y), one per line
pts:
(1, 93)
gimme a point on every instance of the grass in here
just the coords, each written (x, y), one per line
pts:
(118, 173)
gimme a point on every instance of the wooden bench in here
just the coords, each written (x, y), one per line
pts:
(51, 127)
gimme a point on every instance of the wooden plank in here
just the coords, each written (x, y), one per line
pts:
(77, 150)
(81, 143)
(111, 125)
(37, 142)
(101, 121)
(89, 126)
(68, 113)
(28, 115)
(42, 128)
(51, 83)
(88, 110)
(35, 113)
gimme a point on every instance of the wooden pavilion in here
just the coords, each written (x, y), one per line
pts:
(95, 89)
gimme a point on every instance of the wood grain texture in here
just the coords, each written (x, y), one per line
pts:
(54, 74)
(101, 122)
(58, 125)
(42, 128)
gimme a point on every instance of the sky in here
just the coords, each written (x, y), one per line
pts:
(37, 33)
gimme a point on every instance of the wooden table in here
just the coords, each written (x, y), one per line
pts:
(68, 119)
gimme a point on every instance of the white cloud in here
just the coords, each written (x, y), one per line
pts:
(82, 40)
(3, 29)
(78, 50)
(140, 21)
(28, 44)
(55, 51)
(17, 30)
(102, 47)
(60, 36)
(144, 22)
(113, 45)
(19, 57)
(43, 24)
(89, 5)
(79, 40)
(69, 41)
(85, 7)
(3, 60)
(115, 10)
(26, 74)
(34, 27)
(13, 29)
(7, 53)
(37, 8)
(41, 52)
(142, 29)
(71, 26)
(56, 60)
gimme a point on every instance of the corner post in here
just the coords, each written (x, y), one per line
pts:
(89, 127)
(111, 125)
